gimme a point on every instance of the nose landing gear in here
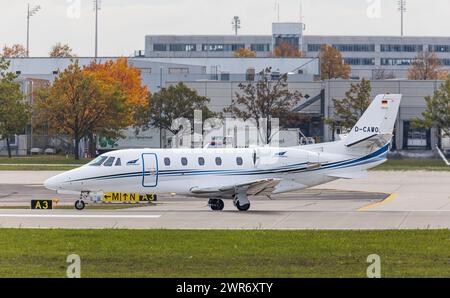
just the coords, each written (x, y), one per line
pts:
(80, 204)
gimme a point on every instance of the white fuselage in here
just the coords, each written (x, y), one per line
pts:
(178, 171)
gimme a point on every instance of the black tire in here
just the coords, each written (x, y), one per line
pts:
(244, 207)
(216, 204)
(79, 205)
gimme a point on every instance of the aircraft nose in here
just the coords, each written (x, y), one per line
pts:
(52, 183)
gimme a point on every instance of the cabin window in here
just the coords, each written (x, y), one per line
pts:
(201, 161)
(109, 162)
(218, 161)
(98, 161)
(118, 162)
(239, 161)
(167, 161)
(184, 161)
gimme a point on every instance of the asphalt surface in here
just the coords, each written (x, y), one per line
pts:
(385, 200)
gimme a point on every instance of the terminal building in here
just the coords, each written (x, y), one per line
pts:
(371, 57)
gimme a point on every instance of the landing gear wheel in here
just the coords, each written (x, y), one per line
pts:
(244, 207)
(216, 204)
(79, 205)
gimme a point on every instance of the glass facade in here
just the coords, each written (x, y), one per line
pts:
(260, 47)
(216, 47)
(293, 41)
(396, 61)
(182, 47)
(360, 61)
(314, 47)
(355, 47)
(410, 48)
(439, 48)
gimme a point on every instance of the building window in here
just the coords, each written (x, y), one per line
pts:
(359, 61)
(158, 47)
(416, 138)
(184, 161)
(167, 161)
(314, 47)
(260, 47)
(218, 161)
(145, 71)
(439, 48)
(221, 47)
(201, 161)
(181, 47)
(355, 47)
(293, 41)
(178, 70)
(396, 61)
(239, 161)
(410, 48)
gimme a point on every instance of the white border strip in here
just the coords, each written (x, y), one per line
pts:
(77, 216)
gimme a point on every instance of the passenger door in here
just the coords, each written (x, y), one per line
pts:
(149, 170)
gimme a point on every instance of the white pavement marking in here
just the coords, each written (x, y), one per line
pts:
(80, 215)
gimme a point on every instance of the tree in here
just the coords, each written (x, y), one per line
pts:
(16, 50)
(14, 112)
(61, 50)
(77, 104)
(287, 50)
(244, 53)
(264, 99)
(437, 113)
(426, 66)
(348, 110)
(175, 102)
(332, 65)
(129, 80)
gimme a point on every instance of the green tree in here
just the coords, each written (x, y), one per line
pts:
(77, 105)
(14, 111)
(266, 99)
(175, 102)
(437, 113)
(348, 110)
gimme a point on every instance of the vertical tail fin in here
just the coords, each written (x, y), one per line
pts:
(377, 121)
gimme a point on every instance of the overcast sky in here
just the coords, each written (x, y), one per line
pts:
(124, 23)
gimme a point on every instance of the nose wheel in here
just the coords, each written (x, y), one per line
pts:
(216, 204)
(79, 205)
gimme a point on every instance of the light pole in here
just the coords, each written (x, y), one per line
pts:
(402, 9)
(97, 7)
(31, 11)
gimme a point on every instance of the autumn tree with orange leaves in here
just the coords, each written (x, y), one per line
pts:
(287, 50)
(79, 105)
(332, 65)
(14, 51)
(244, 53)
(426, 66)
(129, 79)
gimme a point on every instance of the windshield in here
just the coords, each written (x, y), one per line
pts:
(98, 161)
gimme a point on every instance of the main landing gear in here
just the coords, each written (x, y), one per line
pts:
(241, 201)
(216, 204)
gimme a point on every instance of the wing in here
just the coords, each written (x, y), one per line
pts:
(253, 188)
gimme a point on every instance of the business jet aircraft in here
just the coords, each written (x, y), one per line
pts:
(238, 174)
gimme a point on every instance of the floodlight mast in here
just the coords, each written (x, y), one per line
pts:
(31, 11)
(236, 24)
(97, 7)
(402, 10)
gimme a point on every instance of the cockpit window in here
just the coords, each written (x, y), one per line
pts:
(98, 161)
(118, 162)
(109, 162)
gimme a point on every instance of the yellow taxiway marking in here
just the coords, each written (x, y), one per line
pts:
(388, 199)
